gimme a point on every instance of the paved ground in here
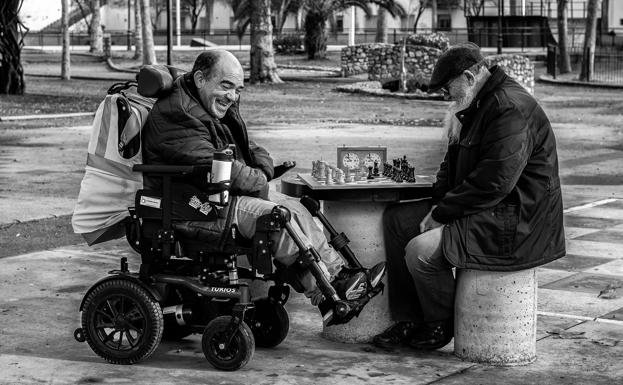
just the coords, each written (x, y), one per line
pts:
(580, 331)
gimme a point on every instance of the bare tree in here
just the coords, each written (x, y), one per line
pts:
(564, 61)
(12, 32)
(588, 54)
(381, 26)
(65, 59)
(194, 9)
(95, 27)
(263, 67)
(149, 51)
(138, 31)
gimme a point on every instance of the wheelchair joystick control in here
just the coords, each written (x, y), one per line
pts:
(221, 171)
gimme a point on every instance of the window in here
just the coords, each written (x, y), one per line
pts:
(339, 23)
(444, 22)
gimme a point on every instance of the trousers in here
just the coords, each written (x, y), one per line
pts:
(249, 209)
(421, 282)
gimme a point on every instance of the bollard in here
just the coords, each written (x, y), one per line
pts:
(495, 316)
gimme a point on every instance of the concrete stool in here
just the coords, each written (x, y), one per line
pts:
(495, 316)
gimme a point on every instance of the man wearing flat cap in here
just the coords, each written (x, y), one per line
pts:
(496, 201)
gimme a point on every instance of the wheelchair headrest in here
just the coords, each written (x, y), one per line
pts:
(155, 81)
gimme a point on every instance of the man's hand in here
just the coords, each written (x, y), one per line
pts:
(428, 223)
(282, 168)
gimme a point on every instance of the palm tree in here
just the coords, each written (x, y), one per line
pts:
(281, 9)
(564, 61)
(11, 43)
(149, 51)
(95, 27)
(588, 56)
(263, 67)
(319, 11)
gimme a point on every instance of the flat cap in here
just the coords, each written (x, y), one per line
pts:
(452, 63)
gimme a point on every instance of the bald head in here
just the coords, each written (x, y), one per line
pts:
(207, 62)
(219, 78)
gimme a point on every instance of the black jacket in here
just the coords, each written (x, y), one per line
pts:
(180, 131)
(497, 190)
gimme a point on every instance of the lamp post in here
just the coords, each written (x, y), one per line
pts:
(129, 25)
(500, 10)
(169, 32)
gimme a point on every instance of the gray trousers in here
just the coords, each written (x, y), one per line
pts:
(420, 280)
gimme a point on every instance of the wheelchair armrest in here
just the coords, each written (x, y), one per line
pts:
(163, 169)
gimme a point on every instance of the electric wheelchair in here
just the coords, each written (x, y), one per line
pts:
(185, 285)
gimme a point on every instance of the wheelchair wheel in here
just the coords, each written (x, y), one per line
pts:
(215, 349)
(270, 324)
(121, 321)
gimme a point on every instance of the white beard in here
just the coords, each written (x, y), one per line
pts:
(451, 122)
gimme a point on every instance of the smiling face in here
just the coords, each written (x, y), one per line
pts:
(221, 88)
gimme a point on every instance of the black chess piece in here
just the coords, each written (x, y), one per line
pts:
(370, 173)
(375, 171)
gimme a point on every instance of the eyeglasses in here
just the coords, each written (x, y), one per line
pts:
(446, 87)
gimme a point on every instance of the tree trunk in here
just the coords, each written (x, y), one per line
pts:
(263, 67)
(65, 59)
(381, 26)
(564, 61)
(513, 8)
(605, 7)
(209, 6)
(588, 55)
(433, 7)
(138, 31)
(11, 71)
(95, 28)
(315, 37)
(149, 52)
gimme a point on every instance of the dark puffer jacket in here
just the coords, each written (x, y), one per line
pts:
(180, 131)
(497, 190)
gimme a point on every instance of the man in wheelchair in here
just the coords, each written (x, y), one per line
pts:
(198, 117)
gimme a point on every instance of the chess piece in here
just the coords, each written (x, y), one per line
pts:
(370, 173)
(327, 175)
(339, 177)
(375, 171)
(363, 172)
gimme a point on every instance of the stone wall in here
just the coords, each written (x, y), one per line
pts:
(354, 59)
(385, 63)
(518, 67)
(382, 62)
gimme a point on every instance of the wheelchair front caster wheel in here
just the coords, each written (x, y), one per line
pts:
(270, 323)
(79, 335)
(224, 351)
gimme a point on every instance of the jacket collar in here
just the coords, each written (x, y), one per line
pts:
(497, 77)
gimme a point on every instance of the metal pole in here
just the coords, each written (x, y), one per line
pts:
(178, 23)
(129, 25)
(351, 32)
(169, 32)
(499, 27)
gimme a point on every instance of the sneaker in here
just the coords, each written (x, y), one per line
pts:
(376, 273)
(398, 334)
(432, 338)
(350, 284)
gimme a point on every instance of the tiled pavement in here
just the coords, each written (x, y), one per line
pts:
(571, 286)
(580, 334)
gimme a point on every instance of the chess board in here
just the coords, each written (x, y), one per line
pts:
(379, 182)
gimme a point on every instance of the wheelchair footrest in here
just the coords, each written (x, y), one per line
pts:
(341, 312)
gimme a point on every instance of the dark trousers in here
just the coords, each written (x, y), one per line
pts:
(426, 294)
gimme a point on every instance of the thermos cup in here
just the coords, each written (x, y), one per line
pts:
(221, 171)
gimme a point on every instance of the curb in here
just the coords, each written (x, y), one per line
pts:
(577, 83)
(45, 116)
(385, 93)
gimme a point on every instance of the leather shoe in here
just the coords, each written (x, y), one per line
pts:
(398, 334)
(431, 338)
